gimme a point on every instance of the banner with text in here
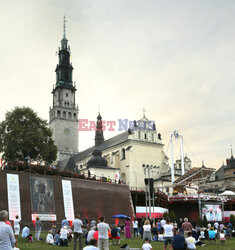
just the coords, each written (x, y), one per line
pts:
(68, 200)
(13, 192)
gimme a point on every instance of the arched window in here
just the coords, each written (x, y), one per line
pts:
(145, 136)
(58, 113)
(75, 115)
(123, 154)
(70, 115)
(64, 114)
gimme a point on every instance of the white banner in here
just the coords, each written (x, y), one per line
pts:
(68, 200)
(44, 217)
(13, 192)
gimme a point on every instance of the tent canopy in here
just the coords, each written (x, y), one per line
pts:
(227, 193)
(121, 216)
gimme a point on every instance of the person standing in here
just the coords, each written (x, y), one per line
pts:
(16, 228)
(168, 234)
(187, 227)
(127, 228)
(77, 225)
(7, 240)
(179, 241)
(135, 227)
(163, 222)
(147, 230)
(103, 238)
(38, 227)
(64, 222)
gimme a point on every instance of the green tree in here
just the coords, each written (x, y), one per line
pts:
(232, 219)
(165, 215)
(23, 134)
(199, 221)
(172, 215)
(204, 221)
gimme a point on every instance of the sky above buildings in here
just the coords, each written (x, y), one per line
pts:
(174, 58)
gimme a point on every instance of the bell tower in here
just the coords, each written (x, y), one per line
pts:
(64, 112)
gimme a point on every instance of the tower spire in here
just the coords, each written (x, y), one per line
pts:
(64, 28)
(99, 137)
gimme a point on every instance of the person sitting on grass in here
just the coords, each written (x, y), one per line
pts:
(212, 235)
(64, 236)
(50, 239)
(115, 235)
(53, 229)
(92, 245)
(179, 241)
(222, 237)
(147, 245)
(26, 234)
(190, 241)
(57, 238)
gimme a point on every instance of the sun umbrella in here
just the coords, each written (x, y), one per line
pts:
(121, 216)
(227, 193)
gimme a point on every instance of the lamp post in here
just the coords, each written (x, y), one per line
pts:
(149, 189)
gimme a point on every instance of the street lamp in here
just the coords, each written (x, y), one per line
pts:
(149, 189)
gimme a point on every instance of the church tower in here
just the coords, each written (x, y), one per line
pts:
(64, 112)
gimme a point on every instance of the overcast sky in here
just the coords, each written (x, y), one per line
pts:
(174, 58)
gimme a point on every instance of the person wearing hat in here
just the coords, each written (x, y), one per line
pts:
(7, 240)
(64, 236)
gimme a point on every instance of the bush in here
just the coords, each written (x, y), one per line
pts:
(205, 222)
(165, 215)
(232, 219)
(172, 215)
(199, 221)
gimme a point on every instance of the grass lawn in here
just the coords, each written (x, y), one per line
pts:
(134, 243)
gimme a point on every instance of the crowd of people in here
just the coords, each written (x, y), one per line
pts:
(178, 235)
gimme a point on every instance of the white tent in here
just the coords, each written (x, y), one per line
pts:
(227, 193)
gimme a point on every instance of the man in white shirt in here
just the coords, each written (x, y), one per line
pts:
(163, 222)
(135, 227)
(190, 242)
(103, 238)
(7, 240)
(92, 246)
(147, 245)
(168, 234)
(90, 234)
(77, 225)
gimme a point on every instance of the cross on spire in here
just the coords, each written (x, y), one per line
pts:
(143, 112)
(231, 150)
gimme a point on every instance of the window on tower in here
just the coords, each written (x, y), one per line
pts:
(67, 95)
(70, 115)
(75, 115)
(58, 113)
(64, 114)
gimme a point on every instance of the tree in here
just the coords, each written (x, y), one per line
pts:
(232, 219)
(172, 215)
(165, 215)
(23, 134)
(199, 221)
(204, 221)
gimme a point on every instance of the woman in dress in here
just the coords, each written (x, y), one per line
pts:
(127, 228)
(147, 230)
(16, 228)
